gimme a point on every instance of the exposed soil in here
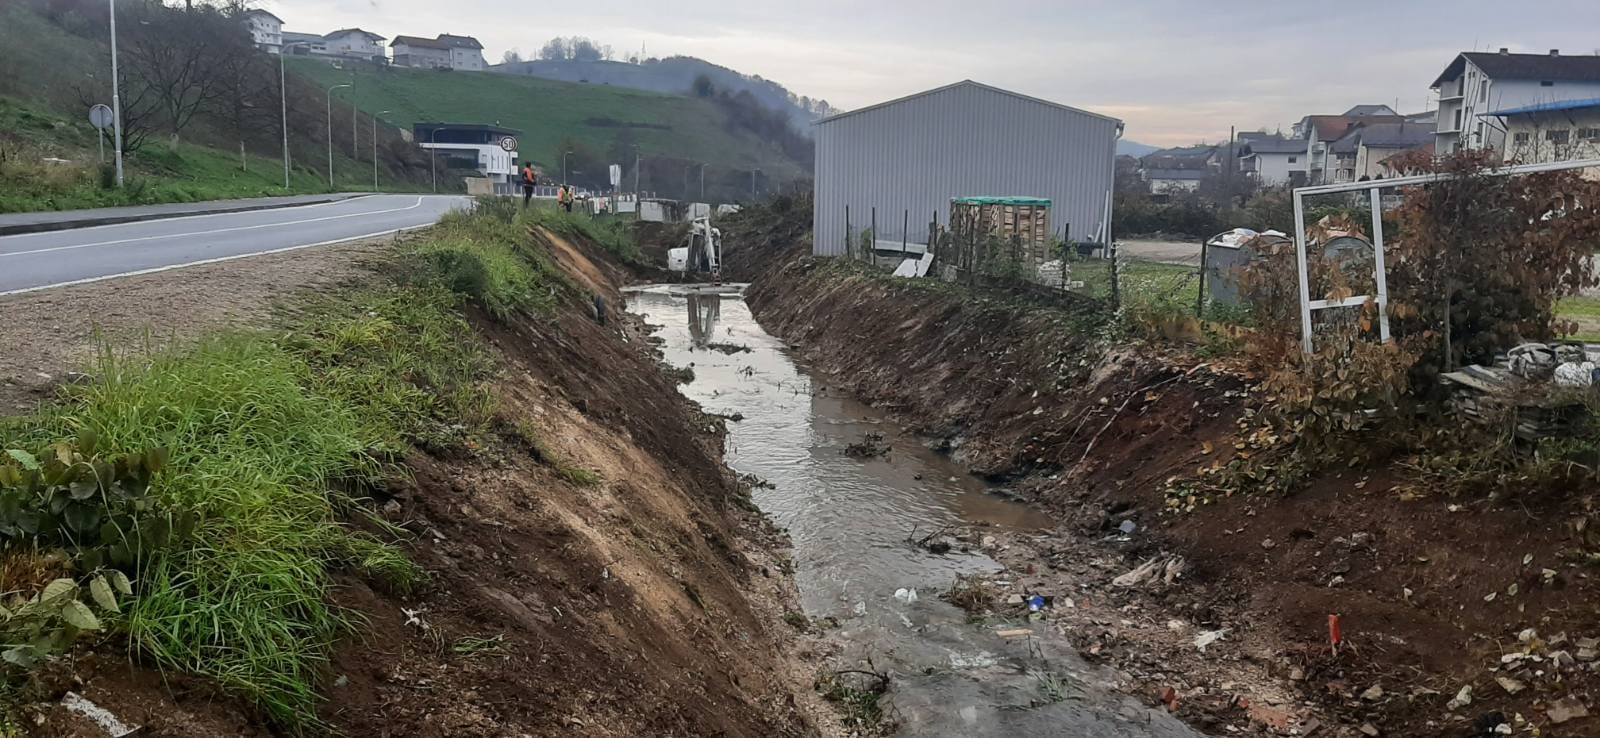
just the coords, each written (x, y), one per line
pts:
(647, 603)
(1012, 389)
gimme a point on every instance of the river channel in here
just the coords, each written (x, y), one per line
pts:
(849, 519)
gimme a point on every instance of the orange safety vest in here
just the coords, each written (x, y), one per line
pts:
(528, 177)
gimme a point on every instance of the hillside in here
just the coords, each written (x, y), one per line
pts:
(675, 134)
(674, 76)
(50, 155)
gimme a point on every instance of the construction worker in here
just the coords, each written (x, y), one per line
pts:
(529, 181)
(566, 198)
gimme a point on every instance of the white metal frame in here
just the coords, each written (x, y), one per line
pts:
(1374, 188)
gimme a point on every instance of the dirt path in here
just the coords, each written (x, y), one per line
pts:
(52, 333)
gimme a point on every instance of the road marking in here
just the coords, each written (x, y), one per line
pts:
(169, 236)
(217, 260)
(124, 224)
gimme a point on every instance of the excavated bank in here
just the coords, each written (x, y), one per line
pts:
(595, 569)
(1018, 390)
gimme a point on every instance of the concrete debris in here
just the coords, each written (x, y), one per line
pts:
(100, 716)
(1527, 635)
(1140, 575)
(1268, 544)
(1310, 727)
(1563, 710)
(1588, 654)
(1297, 674)
(1563, 659)
(1128, 527)
(1462, 699)
(906, 596)
(1587, 643)
(1369, 729)
(1373, 693)
(1204, 640)
(1511, 686)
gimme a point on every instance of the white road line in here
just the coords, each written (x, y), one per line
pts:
(169, 236)
(203, 262)
(124, 224)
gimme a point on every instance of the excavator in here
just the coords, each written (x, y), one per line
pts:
(701, 252)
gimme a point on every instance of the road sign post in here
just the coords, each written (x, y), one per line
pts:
(102, 117)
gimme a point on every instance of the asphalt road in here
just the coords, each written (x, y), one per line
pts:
(37, 261)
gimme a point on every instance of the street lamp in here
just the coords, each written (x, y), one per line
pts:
(753, 174)
(116, 91)
(564, 166)
(330, 133)
(433, 157)
(702, 181)
(375, 149)
(283, 100)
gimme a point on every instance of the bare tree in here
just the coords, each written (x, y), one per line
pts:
(512, 56)
(173, 55)
(555, 49)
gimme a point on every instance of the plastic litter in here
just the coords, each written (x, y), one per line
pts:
(906, 596)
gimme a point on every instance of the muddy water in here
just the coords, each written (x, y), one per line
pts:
(850, 519)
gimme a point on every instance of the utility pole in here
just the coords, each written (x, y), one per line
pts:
(355, 115)
(702, 181)
(330, 133)
(375, 149)
(116, 92)
(753, 174)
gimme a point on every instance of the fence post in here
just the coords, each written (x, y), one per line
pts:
(849, 251)
(1200, 301)
(905, 228)
(872, 243)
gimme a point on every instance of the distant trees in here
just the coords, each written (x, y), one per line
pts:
(574, 48)
(703, 87)
(512, 56)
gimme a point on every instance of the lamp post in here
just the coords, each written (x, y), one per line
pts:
(330, 133)
(564, 166)
(433, 157)
(702, 181)
(753, 174)
(283, 101)
(116, 92)
(375, 149)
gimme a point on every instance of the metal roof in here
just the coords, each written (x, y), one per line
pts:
(460, 42)
(964, 83)
(1276, 145)
(1544, 67)
(1186, 174)
(1549, 107)
(419, 42)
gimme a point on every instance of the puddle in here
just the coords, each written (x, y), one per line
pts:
(849, 520)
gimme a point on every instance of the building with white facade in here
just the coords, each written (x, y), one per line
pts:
(355, 43)
(1550, 132)
(1273, 160)
(489, 150)
(466, 53)
(420, 53)
(266, 30)
(1483, 82)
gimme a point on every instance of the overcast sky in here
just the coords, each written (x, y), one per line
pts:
(1177, 71)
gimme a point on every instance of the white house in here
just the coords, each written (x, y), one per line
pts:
(1483, 82)
(465, 52)
(1273, 160)
(491, 150)
(355, 43)
(1381, 144)
(420, 53)
(1549, 132)
(266, 30)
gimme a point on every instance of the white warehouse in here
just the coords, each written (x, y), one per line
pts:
(908, 157)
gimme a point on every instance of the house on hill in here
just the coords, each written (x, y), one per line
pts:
(1272, 160)
(1484, 82)
(1551, 132)
(266, 30)
(443, 52)
(355, 43)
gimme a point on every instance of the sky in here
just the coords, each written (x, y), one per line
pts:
(1176, 71)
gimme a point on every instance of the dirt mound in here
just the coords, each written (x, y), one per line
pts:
(765, 236)
(1430, 593)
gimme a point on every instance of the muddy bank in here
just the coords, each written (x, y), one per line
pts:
(594, 568)
(1432, 594)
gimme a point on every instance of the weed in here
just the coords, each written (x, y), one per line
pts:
(859, 697)
(1052, 688)
(480, 646)
(798, 621)
(580, 477)
(611, 233)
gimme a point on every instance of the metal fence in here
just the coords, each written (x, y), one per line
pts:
(967, 251)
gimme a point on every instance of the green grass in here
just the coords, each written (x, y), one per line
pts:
(273, 435)
(613, 233)
(1583, 310)
(483, 255)
(548, 112)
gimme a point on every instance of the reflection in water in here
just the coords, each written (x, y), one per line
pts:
(849, 519)
(704, 312)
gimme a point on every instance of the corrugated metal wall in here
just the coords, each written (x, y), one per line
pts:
(916, 154)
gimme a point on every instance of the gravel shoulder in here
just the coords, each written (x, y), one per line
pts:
(49, 334)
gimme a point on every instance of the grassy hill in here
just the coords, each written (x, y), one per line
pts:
(677, 133)
(50, 158)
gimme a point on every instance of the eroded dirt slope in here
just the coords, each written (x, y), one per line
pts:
(1430, 592)
(596, 570)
